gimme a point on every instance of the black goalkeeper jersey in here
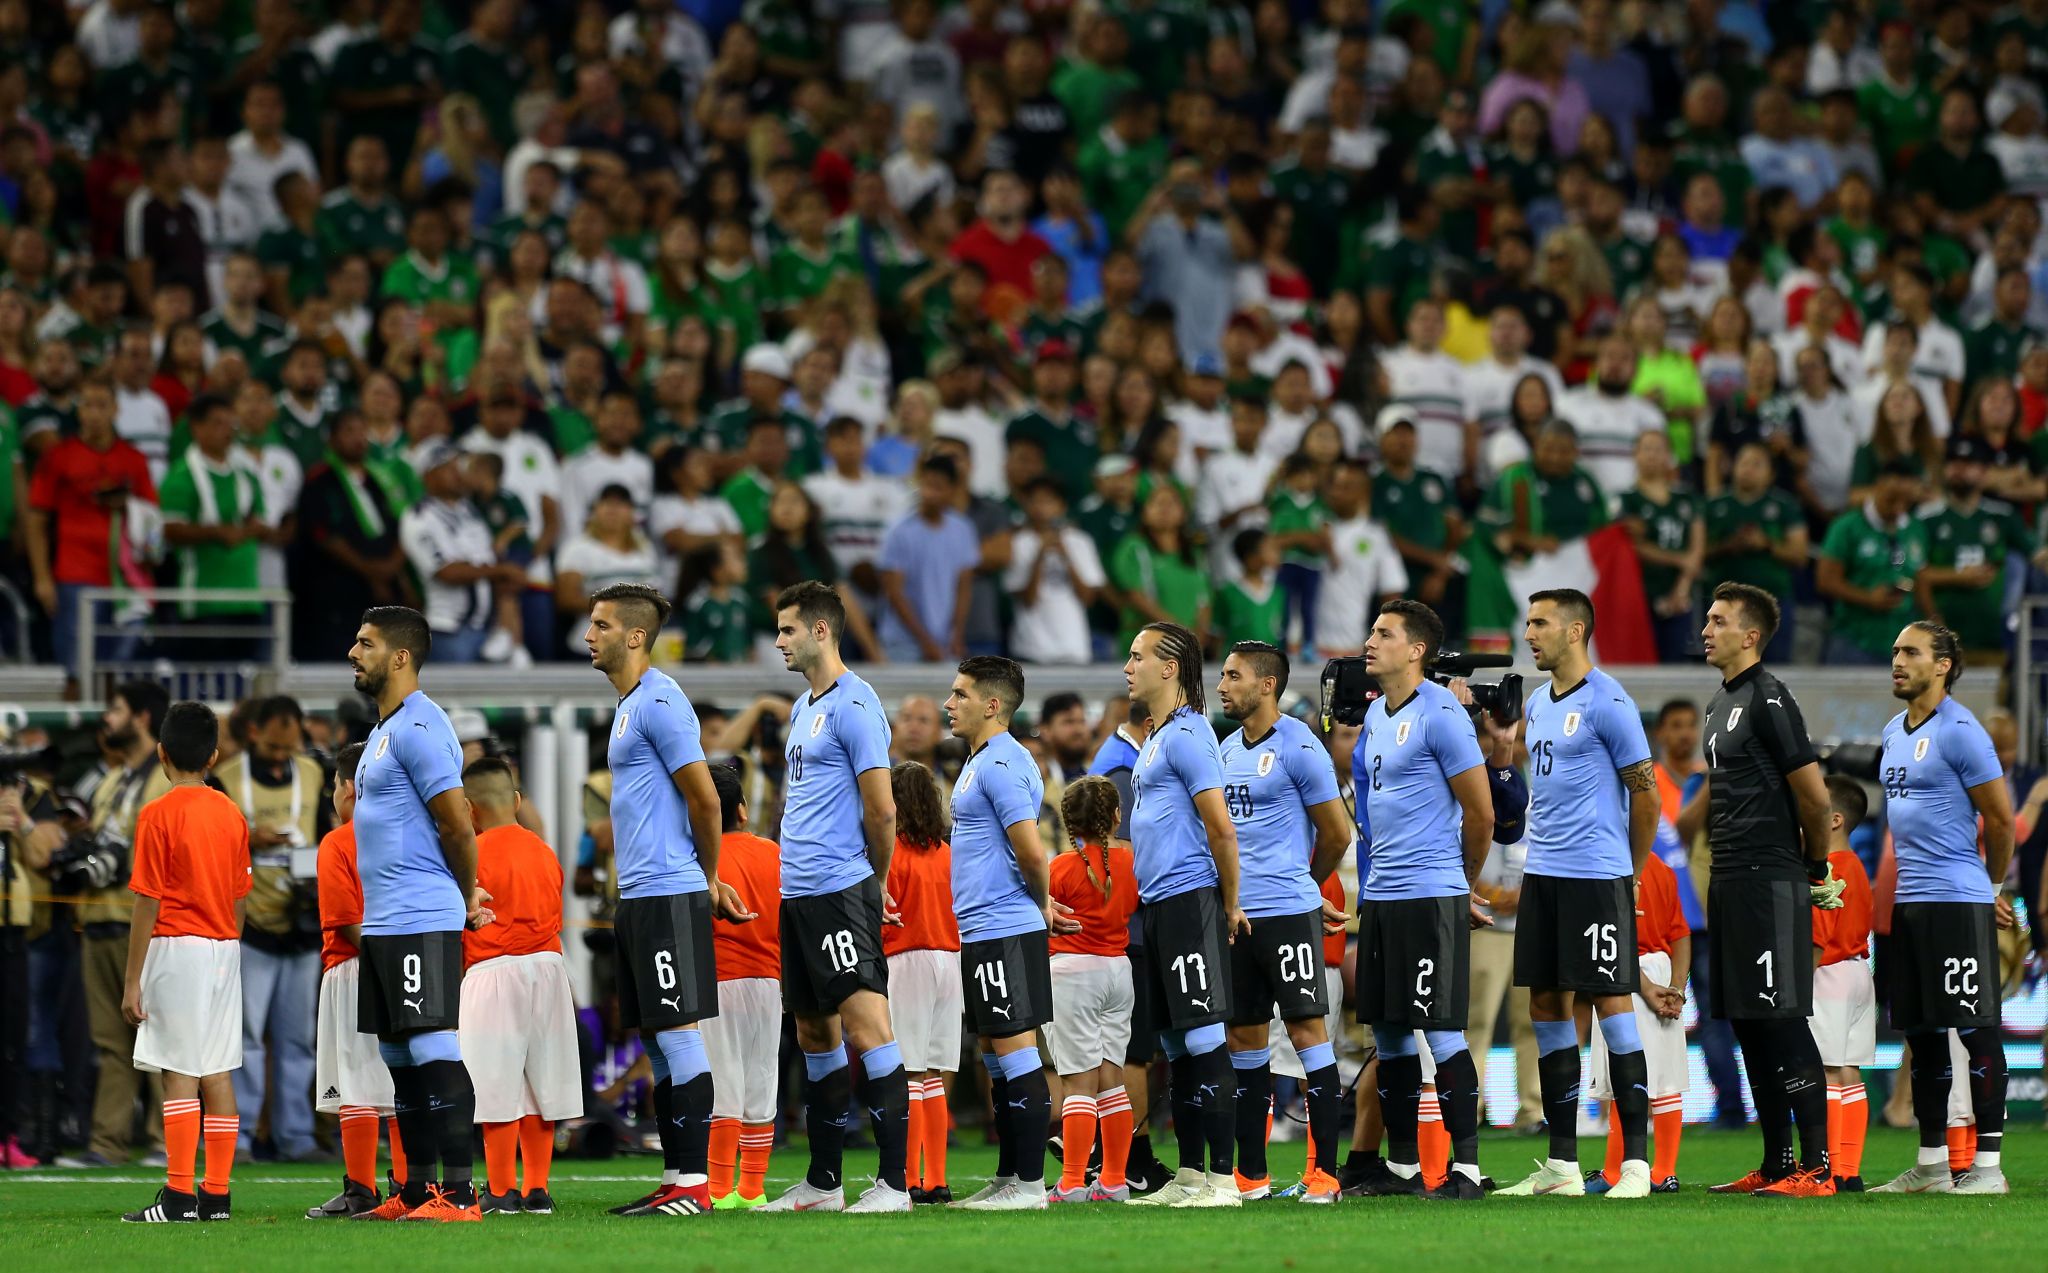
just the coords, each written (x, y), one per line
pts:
(1754, 736)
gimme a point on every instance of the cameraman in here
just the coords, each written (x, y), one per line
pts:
(29, 833)
(93, 867)
(278, 787)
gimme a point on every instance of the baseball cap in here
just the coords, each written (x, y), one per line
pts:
(767, 359)
(1206, 365)
(1558, 13)
(1055, 350)
(1115, 466)
(433, 453)
(1392, 414)
(469, 725)
(1971, 450)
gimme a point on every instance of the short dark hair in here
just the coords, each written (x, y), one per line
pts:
(1420, 623)
(190, 736)
(1848, 798)
(1266, 659)
(726, 780)
(1577, 606)
(345, 763)
(1059, 705)
(994, 674)
(941, 465)
(146, 697)
(1673, 706)
(1759, 608)
(814, 602)
(1245, 543)
(405, 628)
(205, 405)
(639, 606)
(276, 707)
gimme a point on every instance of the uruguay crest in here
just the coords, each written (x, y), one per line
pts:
(1920, 748)
(1571, 724)
(1265, 764)
(1401, 732)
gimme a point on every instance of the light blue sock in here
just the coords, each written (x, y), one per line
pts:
(1393, 1042)
(1251, 1060)
(877, 1061)
(818, 1065)
(993, 1064)
(1621, 1034)
(1174, 1043)
(435, 1045)
(1019, 1063)
(1317, 1055)
(397, 1056)
(1555, 1036)
(685, 1052)
(1204, 1039)
(1444, 1044)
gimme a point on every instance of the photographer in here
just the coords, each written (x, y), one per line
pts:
(29, 833)
(93, 868)
(279, 788)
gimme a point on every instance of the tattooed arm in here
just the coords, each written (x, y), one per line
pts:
(1644, 809)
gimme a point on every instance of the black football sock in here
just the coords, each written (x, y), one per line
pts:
(418, 1127)
(1030, 1123)
(1323, 1093)
(888, 1099)
(825, 1117)
(1186, 1099)
(1629, 1075)
(452, 1098)
(1254, 1094)
(1141, 1152)
(1932, 1073)
(1806, 1091)
(1400, 1106)
(691, 1102)
(999, 1103)
(665, 1127)
(1457, 1092)
(1767, 1089)
(1557, 1074)
(1987, 1091)
(1218, 1089)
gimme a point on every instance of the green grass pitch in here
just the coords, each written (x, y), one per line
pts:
(70, 1221)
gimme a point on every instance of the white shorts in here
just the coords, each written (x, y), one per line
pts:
(1844, 1020)
(518, 1036)
(1663, 1042)
(1092, 998)
(744, 1043)
(927, 1008)
(192, 1005)
(1285, 1059)
(347, 1068)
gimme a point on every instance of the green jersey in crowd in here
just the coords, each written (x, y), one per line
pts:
(1875, 556)
(1986, 535)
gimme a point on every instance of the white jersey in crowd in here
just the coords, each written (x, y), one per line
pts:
(983, 434)
(1608, 427)
(144, 422)
(226, 223)
(1364, 566)
(1232, 481)
(855, 512)
(1844, 358)
(531, 471)
(1054, 627)
(437, 533)
(282, 477)
(1939, 354)
(600, 565)
(585, 476)
(1203, 430)
(1490, 395)
(619, 285)
(1831, 442)
(1432, 384)
(1869, 392)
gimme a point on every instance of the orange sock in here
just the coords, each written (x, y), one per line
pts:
(938, 1121)
(1612, 1168)
(1308, 1164)
(501, 1156)
(359, 1145)
(1667, 1117)
(725, 1151)
(1078, 1116)
(757, 1142)
(1432, 1141)
(913, 1163)
(397, 1151)
(1835, 1129)
(1855, 1128)
(221, 1130)
(1962, 1147)
(1114, 1120)
(181, 1142)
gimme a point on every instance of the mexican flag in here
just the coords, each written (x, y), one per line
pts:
(1603, 565)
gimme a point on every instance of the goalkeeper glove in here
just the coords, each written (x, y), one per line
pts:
(1826, 892)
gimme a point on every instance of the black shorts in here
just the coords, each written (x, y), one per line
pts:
(1190, 957)
(1577, 935)
(1144, 1044)
(1945, 967)
(832, 947)
(1008, 983)
(1415, 962)
(667, 977)
(1762, 949)
(410, 982)
(1279, 963)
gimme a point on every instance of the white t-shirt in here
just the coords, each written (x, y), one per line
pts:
(1939, 354)
(1869, 393)
(704, 515)
(983, 434)
(1490, 397)
(1831, 442)
(1363, 567)
(1232, 482)
(282, 478)
(619, 285)
(1608, 429)
(1844, 359)
(1433, 384)
(532, 474)
(437, 533)
(1201, 429)
(602, 565)
(1055, 628)
(585, 477)
(855, 512)
(144, 422)
(908, 180)
(253, 175)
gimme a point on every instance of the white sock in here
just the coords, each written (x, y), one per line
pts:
(1559, 1164)
(1469, 1171)
(1627, 1163)
(1405, 1170)
(669, 1176)
(1987, 1158)
(1935, 1156)
(692, 1180)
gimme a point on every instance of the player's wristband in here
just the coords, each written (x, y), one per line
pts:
(1816, 871)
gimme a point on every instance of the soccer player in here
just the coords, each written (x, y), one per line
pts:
(1280, 790)
(348, 1075)
(744, 1040)
(416, 854)
(1092, 994)
(518, 1014)
(928, 1006)
(1593, 813)
(1767, 827)
(1940, 774)
(838, 831)
(1844, 996)
(1425, 820)
(665, 834)
(1000, 879)
(1663, 953)
(1185, 848)
(183, 989)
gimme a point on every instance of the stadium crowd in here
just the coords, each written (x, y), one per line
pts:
(1029, 323)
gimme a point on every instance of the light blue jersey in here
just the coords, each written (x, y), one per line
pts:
(1927, 773)
(834, 738)
(999, 787)
(1403, 766)
(1179, 762)
(408, 759)
(654, 735)
(1269, 786)
(1578, 807)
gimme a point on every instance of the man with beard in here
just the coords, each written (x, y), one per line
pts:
(666, 826)
(1609, 418)
(349, 542)
(1969, 539)
(416, 855)
(1064, 729)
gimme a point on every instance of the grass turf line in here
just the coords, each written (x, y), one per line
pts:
(72, 1223)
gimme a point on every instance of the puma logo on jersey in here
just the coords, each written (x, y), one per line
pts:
(1775, 702)
(1768, 996)
(1203, 1004)
(673, 1005)
(1971, 1004)
(1023, 1104)
(1605, 972)
(1306, 992)
(1420, 1006)
(1208, 1089)
(414, 1004)
(997, 1007)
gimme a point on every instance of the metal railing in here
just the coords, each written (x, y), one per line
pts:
(155, 642)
